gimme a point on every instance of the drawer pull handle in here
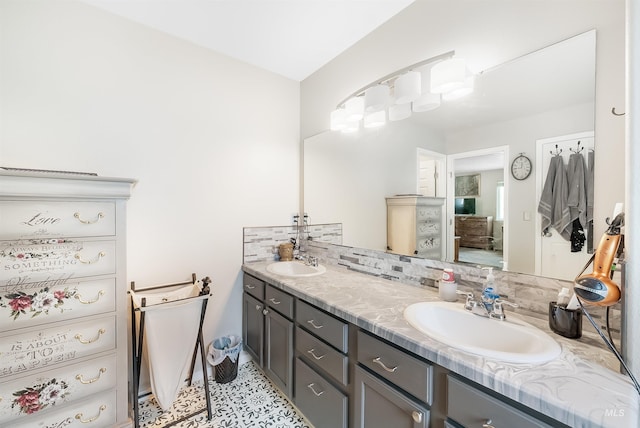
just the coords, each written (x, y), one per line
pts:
(88, 262)
(274, 301)
(311, 387)
(384, 366)
(98, 217)
(487, 424)
(249, 286)
(95, 379)
(265, 311)
(417, 416)
(314, 325)
(313, 354)
(88, 421)
(88, 302)
(86, 342)
(258, 308)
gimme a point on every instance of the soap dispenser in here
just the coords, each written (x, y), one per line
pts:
(490, 291)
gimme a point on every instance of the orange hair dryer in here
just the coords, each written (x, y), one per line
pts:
(597, 288)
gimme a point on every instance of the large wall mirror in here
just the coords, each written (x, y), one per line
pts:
(547, 95)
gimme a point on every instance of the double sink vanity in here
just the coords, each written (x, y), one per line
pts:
(355, 350)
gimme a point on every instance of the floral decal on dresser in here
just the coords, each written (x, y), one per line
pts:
(37, 397)
(40, 302)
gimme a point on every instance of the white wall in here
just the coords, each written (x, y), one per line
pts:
(213, 142)
(487, 33)
(343, 171)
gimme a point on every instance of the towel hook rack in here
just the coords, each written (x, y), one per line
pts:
(557, 153)
(578, 150)
(613, 111)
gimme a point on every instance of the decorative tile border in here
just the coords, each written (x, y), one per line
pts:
(531, 293)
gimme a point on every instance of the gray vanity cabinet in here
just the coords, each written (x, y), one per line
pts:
(379, 405)
(253, 318)
(404, 399)
(278, 345)
(322, 364)
(470, 407)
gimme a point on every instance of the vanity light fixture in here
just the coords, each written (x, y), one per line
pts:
(399, 112)
(408, 87)
(448, 75)
(416, 88)
(375, 119)
(354, 109)
(462, 91)
(376, 98)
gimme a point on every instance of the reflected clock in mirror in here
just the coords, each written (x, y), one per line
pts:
(550, 92)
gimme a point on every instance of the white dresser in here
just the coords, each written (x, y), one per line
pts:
(63, 304)
(415, 226)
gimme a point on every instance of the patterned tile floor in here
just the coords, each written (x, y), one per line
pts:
(248, 401)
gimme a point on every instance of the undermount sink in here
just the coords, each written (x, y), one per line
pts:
(511, 340)
(295, 268)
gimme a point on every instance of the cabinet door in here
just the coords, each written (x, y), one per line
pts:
(278, 352)
(322, 404)
(378, 405)
(253, 327)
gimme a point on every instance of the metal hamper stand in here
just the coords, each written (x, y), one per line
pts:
(137, 339)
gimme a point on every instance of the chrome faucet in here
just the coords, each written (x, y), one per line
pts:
(488, 307)
(308, 260)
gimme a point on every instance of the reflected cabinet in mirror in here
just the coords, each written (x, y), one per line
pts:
(538, 105)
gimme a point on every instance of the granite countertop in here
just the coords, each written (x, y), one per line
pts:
(578, 388)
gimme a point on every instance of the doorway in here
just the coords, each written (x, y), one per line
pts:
(477, 207)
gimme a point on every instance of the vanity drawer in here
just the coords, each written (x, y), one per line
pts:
(469, 406)
(253, 286)
(98, 411)
(405, 371)
(322, 355)
(280, 301)
(325, 326)
(52, 389)
(29, 220)
(37, 349)
(45, 260)
(25, 305)
(319, 401)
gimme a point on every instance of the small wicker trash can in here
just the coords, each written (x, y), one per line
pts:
(223, 355)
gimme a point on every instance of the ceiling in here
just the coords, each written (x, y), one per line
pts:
(293, 38)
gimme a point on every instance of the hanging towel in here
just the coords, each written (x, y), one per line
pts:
(553, 202)
(171, 331)
(589, 186)
(577, 197)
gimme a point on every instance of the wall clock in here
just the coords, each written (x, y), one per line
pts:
(521, 167)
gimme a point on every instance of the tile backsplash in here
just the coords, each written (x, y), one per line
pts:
(531, 293)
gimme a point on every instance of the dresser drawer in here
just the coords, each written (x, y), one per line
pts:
(324, 356)
(325, 326)
(428, 213)
(469, 406)
(52, 389)
(253, 286)
(428, 229)
(56, 219)
(319, 401)
(34, 349)
(45, 302)
(54, 260)
(96, 411)
(280, 301)
(407, 372)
